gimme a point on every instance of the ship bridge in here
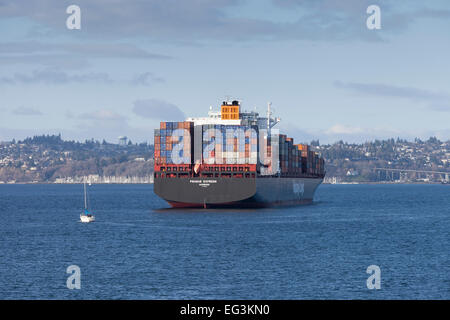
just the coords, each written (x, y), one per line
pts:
(231, 114)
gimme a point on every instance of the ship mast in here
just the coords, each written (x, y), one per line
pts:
(270, 122)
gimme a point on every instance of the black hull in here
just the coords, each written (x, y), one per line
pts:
(236, 192)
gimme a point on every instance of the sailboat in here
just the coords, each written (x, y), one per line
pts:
(86, 216)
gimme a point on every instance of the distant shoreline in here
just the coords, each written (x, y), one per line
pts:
(383, 182)
(9, 183)
(341, 183)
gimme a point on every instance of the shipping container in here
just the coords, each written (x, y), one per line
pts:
(174, 143)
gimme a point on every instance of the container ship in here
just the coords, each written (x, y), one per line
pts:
(233, 158)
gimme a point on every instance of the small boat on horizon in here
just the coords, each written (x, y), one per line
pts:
(86, 216)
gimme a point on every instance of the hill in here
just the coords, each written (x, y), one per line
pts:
(48, 158)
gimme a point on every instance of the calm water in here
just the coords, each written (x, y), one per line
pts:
(138, 249)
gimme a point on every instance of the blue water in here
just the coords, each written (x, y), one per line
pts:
(137, 249)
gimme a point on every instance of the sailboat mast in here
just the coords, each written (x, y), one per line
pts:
(85, 197)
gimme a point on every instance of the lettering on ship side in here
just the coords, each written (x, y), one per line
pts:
(298, 188)
(203, 183)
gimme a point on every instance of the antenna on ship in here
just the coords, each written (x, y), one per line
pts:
(271, 122)
(268, 116)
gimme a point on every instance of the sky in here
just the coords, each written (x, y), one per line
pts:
(136, 63)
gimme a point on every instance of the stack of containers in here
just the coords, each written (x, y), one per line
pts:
(309, 162)
(290, 143)
(321, 166)
(269, 149)
(283, 153)
(316, 163)
(299, 158)
(296, 159)
(251, 145)
(229, 144)
(303, 149)
(169, 135)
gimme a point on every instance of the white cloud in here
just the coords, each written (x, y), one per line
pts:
(102, 115)
(26, 111)
(158, 109)
(145, 79)
(343, 129)
(388, 90)
(54, 77)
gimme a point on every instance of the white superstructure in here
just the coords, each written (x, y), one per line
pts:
(241, 117)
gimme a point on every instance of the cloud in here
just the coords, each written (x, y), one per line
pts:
(158, 109)
(102, 120)
(145, 79)
(343, 129)
(393, 16)
(197, 20)
(47, 60)
(102, 115)
(192, 21)
(155, 19)
(25, 111)
(101, 50)
(357, 134)
(70, 55)
(55, 77)
(348, 133)
(108, 124)
(391, 91)
(438, 101)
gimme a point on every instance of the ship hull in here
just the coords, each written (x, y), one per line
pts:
(229, 192)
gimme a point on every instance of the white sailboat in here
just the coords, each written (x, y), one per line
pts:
(86, 216)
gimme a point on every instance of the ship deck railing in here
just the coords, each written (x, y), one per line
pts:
(237, 174)
(247, 175)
